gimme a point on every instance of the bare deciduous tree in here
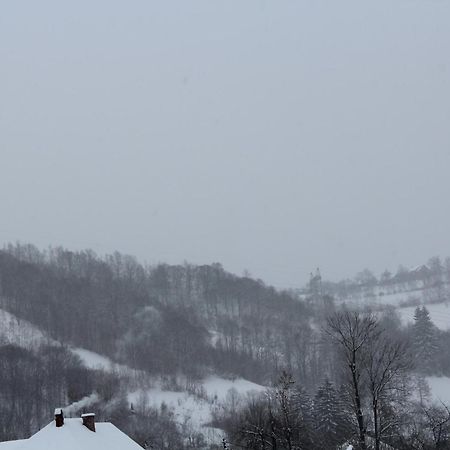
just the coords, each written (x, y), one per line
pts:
(352, 331)
(386, 363)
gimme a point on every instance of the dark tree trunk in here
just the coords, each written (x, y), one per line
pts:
(359, 414)
(375, 424)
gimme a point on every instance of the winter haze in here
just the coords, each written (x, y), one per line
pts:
(274, 137)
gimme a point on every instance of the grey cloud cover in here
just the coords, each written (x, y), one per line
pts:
(269, 136)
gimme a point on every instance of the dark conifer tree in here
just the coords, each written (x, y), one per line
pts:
(424, 339)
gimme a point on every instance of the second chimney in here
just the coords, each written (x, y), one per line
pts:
(89, 421)
(59, 417)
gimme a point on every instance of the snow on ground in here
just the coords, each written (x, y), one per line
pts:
(440, 389)
(93, 360)
(400, 297)
(191, 411)
(380, 299)
(185, 406)
(218, 388)
(20, 332)
(24, 334)
(439, 314)
(96, 361)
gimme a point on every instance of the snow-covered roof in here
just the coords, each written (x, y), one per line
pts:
(75, 436)
(421, 268)
(10, 445)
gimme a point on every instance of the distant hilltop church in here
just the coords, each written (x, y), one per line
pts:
(75, 434)
(315, 285)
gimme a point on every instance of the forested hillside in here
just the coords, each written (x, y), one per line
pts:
(162, 319)
(178, 333)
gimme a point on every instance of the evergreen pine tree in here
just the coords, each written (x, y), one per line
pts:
(424, 339)
(303, 408)
(331, 422)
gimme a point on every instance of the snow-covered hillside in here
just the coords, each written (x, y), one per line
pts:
(194, 411)
(20, 332)
(439, 314)
(379, 298)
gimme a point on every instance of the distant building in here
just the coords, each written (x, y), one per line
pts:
(75, 434)
(315, 286)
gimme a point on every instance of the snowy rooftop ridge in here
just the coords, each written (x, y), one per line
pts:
(73, 436)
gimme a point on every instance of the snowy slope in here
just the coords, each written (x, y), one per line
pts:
(378, 298)
(93, 360)
(24, 334)
(193, 412)
(218, 388)
(20, 332)
(439, 314)
(398, 298)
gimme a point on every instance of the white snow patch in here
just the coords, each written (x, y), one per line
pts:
(218, 388)
(191, 412)
(187, 408)
(400, 297)
(94, 360)
(20, 332)
(440, 389)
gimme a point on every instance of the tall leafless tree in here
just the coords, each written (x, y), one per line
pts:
(386, 363)
(352, 331)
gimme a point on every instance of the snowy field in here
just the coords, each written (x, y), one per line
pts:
(439, 314)
(218, 388)
(400, 297)
(378, 299)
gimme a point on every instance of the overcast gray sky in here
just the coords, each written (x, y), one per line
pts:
(273, 136)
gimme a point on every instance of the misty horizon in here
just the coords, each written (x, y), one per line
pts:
(274, 139)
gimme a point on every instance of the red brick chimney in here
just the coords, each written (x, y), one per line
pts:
(59, 417)
(89, 421)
